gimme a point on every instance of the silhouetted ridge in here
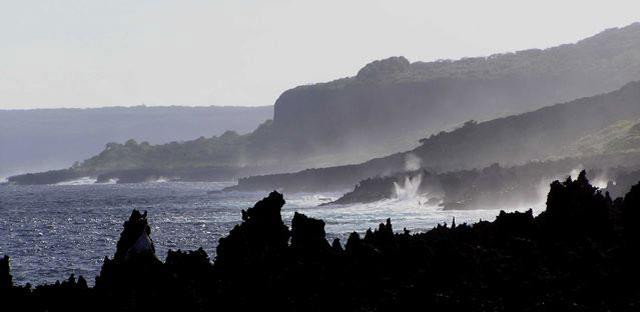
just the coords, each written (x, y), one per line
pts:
(576, 207)
(134, 239)
(308, 233)
(6, 281)
(630, 215)
(260, 236)
(384, 68)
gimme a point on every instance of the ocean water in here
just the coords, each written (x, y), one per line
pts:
(52, 231)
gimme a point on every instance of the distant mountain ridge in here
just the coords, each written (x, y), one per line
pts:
(391, 103)
(41, 139)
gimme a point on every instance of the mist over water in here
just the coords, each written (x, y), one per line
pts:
(412, 162)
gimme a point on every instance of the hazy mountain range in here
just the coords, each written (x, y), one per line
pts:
(391, 104)
(547, 133)
(42, 139)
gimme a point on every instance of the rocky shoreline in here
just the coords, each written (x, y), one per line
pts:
(580, 254)
(487, 188)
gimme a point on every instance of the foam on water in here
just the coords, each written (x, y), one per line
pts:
(311, 200)
(414, 214)
(80, 181)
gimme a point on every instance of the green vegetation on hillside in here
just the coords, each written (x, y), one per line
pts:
(620, 137)
(544, 134)
(610, 49)
(390, 104)
(222, 150)
(227, 150)
(42, 139)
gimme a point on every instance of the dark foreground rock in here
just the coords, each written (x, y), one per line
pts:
(581, 254)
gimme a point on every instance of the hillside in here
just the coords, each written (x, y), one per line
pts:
(542, 134)
(392, 103)
(42, 139)
(621, 137)
(612, 156)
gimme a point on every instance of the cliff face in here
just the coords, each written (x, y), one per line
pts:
(391, 99)
(545, 133)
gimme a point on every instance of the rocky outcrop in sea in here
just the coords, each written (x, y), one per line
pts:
(580, 254)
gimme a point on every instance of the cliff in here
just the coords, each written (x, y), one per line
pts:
(391, 103)
(546, 133)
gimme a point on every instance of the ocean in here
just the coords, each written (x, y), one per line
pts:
(52, 231)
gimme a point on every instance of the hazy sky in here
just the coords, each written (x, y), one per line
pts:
(90, 53)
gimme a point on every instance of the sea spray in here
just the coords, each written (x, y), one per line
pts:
(575, 172)
(601, 179)
(80, 181)
(412, 162)
(409, 189)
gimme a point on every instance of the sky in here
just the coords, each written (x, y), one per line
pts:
(93, 53)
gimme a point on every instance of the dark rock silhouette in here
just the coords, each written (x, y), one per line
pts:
(576, 207)
(308, 234)
(581, 254)
(6, 281)
(134, 277)
(261, 235)
(631, 215)
(134, 240)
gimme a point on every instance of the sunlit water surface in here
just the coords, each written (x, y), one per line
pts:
(52, 231)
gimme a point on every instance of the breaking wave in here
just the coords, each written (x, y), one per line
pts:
(80, 181)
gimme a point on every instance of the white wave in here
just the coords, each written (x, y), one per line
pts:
(417, 214)
(311, 200)
(600, 183)
(409, 189)
(80, 181)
